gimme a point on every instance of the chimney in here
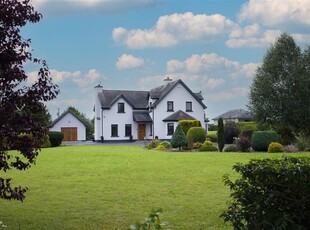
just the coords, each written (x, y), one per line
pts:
(168, 79)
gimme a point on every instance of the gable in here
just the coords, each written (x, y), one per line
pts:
(67, 117)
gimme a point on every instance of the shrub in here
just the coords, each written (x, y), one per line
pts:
(179, 139)
(152, 144)
(271, 194)
(247, 133)
(187, 124)
(261, 139)
(231, 130)
(303, 142)
(160, 147)
(221, 134)
(195, 134)
(244, 143)
(232, 148)
(207, 146)
(275, 147)
(45, 142)
(55, 138)
(166, 144)
(197, 145)
(247, 126)
(212, 136)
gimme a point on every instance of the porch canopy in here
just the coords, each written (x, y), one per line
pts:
(142, 117)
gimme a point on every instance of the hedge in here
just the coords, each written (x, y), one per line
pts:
(261, 139)
(55, 138)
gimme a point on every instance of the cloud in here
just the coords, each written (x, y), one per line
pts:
(246, 70)
(233, 94)
(129, 62)
(174, 29)
(277, 12)
(89, 79)
(212, 83)
(65, 7)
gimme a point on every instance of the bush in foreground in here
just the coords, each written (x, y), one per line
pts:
(271, 194)
(55, 138)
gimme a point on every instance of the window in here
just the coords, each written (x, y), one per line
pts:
(170, 128)
(189, 107)
(114, 130)
(128, 130)
(151, 129)
(121, 107)
(170, 106)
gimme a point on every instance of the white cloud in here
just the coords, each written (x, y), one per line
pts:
(226, 96)
(174, 29)
(212, 83)
(246, 70)
(129, 62)
(64, 7)
(89, 79)
(277, 12)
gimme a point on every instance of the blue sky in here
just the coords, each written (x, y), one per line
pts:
(214, 46)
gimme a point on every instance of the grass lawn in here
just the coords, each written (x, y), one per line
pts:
(102, 187)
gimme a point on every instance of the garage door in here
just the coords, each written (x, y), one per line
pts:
(70, 134)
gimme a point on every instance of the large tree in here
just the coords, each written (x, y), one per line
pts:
(280, 91)
(19, 101)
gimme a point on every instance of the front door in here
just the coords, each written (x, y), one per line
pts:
(141, 132)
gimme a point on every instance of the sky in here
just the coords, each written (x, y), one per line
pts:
(214, 46)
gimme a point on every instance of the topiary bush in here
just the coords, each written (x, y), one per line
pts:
(271, 194)
(187, 124)
(208, 146)
(231, 130)
(55, 138)
(152, 144)
(221, 134)
(261, 139)
(275, 147)
(178, 138)
(212, 136)
(231, 148)
(195, 134)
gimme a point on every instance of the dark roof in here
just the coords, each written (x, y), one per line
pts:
(136, 99)
(142, 116)
(160, 92)
(64, 114)
(235, 114)
(179, 115)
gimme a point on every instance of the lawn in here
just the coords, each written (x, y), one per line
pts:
(102, 187)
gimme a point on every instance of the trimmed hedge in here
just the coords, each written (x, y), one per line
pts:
(271, 194)
(275, 147)
(55, 138)
(187, 124)
(195, 134)
(261, 139)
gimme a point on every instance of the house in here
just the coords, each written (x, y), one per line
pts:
(139, 115)
(234, 116)
(73, 128)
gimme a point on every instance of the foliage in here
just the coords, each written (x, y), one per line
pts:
(261, 139)
(271, 194)
(212, 127)
(195, 134)
(151, 222)
(221, 134)
(166, 144)
(19, 102)
(244, 142)
(275, 147)
(153, 144)
(303, 142)
(160, 147)
(88, 122)
(231, 131)
(55, 138)
(212, 136)
(231, 148)
(247, 125)
(279, 94)
(187, 124)
(2, 225)
(197, 145)
(207, 146)
(179, 139)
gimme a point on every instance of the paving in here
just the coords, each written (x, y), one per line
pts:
(108, 143)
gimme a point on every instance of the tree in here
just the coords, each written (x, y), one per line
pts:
(82, 116)
(178, 139)
(221, 134)
(280, 91)
(19, 101)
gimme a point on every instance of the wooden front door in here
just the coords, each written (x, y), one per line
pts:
(141, 132)
(70, 134)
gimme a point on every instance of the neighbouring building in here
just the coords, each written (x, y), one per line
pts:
(234, 116)
(72, 127)
(139, 115)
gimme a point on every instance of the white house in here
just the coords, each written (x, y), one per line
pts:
(73, 128)
(139, 115)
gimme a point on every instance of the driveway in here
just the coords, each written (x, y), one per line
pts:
(120, 143)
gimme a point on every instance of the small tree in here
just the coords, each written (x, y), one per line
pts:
(221, 134)
(179, 139)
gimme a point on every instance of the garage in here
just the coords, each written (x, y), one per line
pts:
(70, 134)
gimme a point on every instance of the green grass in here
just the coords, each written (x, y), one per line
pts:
(80, 187)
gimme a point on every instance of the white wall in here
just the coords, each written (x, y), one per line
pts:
(70, 121)
(179, 95)
(97, 127)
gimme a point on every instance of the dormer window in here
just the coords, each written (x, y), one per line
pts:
(121, 107)
(189, 106)
(170, 106)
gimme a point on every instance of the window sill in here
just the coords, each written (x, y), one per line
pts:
(114, 136)
(170, 110)
(120, 112)
(189, 110)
